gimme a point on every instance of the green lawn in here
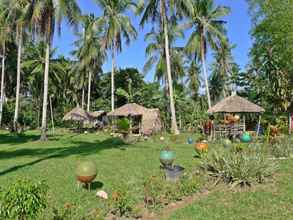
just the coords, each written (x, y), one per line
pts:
(271, 201)
(55, 160)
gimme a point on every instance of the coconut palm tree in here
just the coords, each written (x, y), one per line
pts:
(157, 57)
(4, 37)
(157, 12)
(44, 15)
(116, 26)
(89, 53)
(222, 69)
(208, 31)
(17, 15)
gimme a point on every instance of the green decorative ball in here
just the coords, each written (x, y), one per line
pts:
(245, 137)
(227, 143)
(86, 168)
(167, 157)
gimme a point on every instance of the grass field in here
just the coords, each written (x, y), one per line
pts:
(119, 163)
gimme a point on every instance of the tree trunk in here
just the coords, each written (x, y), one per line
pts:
(203, 60)
(2, 83)
(174, 128)
(113, 81)
(16, 110)
(45, 98)
(82, 98)
(89, 91)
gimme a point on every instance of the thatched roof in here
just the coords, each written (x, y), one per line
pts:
(96, 114)
(76, 114)
(235, 104)
(131, 109)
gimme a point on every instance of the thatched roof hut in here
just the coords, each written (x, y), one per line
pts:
(151, 122)
(235, 104)
(76, 114)
(150, 118)
(131, 109)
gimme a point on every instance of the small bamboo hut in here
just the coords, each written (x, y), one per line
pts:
(149, 120)
(231, 105)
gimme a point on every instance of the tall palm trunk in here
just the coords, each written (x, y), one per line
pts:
(203, 60)
(2, 82)
(113, 80)
(45, 98)
(82, 98)
(16, 110)
(89, 91)
(174, 127)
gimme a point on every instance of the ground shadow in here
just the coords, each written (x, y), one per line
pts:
(80, 148)
(97, 185)
(15, 139)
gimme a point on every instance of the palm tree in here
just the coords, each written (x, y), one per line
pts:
(4, 37)
(116, 26)
(155, 52)
(208, 31)
(222, 68)
(33, 67)
(17, 15)
(43, 15)
(156, 11)
(89, 53)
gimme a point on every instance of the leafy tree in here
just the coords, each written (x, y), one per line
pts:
(270, 71)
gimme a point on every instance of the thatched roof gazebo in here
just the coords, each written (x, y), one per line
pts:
(76, 114)
(131, 109)
(150, 121)
(235, 104)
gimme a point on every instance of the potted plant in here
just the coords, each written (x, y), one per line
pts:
(167, 156)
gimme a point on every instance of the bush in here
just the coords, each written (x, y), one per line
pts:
(242, 168)
(153, 188)
(123, 124)
(23, 200)
(282, 147)
(121, 202)
(158, 192)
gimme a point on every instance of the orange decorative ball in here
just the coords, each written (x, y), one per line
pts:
(201, 146)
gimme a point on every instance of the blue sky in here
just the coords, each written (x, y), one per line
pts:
(238, 26)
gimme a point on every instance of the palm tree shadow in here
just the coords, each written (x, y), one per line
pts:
(78, 148)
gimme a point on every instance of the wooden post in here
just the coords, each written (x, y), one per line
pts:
(290, 123)
(258, 126)
(52, 117)
(244, 123)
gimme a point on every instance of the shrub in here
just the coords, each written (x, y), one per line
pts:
(159, 192)
(242, 168)
(189, 184)
(23, 200)
(123, 124)
(122, 202)
(282, 147)
(153, 188)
